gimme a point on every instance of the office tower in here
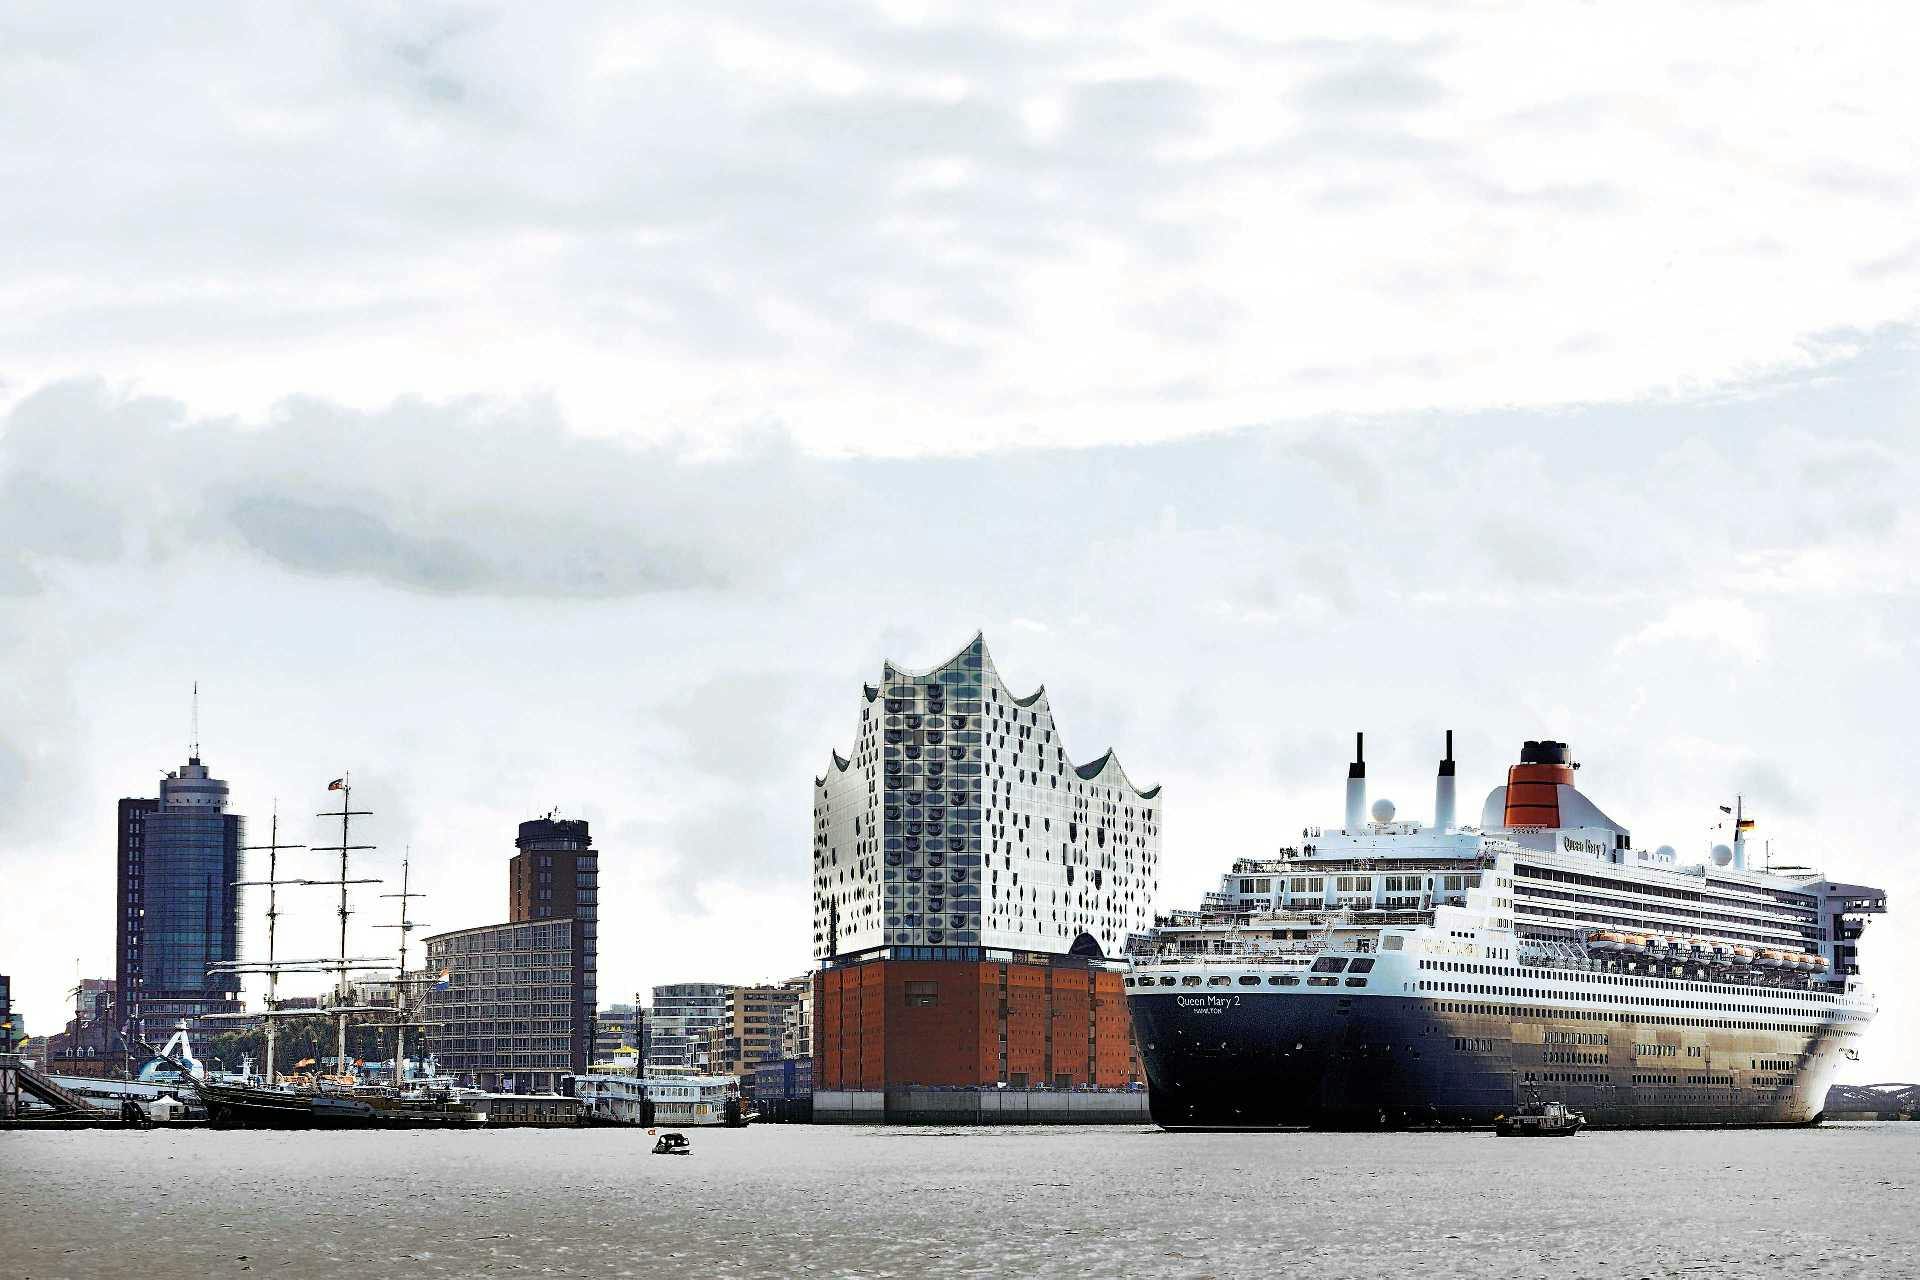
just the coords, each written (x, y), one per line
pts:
(511, 1006)
(176, 911)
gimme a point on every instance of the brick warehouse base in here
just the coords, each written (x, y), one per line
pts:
(978, 1106)
(965, 1029)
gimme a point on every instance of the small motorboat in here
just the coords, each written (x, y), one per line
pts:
(672, 1144)
(1540, 1120)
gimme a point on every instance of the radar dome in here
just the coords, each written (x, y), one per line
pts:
(1665, 851)
(1722, 856)
(1383, 810)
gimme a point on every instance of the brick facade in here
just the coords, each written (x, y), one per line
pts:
(947, 1023)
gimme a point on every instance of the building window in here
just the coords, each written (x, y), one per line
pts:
(923, 994)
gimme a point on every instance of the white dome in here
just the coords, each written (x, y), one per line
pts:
(1383, 810)
(1722, 856)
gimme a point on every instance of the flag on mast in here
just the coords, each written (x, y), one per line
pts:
(338, 784)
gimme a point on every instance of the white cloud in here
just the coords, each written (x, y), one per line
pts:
(1725, 626)
(946, 230)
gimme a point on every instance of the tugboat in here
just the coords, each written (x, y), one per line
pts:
(1540, 1120)
(672, 1144)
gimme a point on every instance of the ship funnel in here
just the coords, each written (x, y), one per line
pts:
(1357, 786)
(1533, 785)
(1443, 791)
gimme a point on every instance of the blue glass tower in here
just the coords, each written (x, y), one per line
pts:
(178, 911)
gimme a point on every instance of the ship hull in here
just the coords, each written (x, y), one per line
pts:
(231, 1108)
(1296, 1060)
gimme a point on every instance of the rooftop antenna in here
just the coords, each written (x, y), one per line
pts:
(193, 748)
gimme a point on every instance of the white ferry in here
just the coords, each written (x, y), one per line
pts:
(686, 1101)
(1392, 973)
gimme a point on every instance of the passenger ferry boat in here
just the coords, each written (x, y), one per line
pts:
(1391, 973)
(689, 1101)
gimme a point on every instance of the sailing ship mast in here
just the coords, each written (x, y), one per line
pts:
(343, 988)
(406, 926)
(272, 883)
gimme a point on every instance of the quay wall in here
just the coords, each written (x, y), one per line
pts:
(977, 1106)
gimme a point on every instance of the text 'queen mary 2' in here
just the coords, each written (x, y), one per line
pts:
(1390, 973)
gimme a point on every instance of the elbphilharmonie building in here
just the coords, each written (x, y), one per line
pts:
(970, 882)
(959, 821)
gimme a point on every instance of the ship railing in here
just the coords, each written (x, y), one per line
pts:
(1240, 955)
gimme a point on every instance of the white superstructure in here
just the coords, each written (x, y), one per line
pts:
(1467, 968)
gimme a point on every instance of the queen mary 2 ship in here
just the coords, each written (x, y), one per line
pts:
(1392, 973)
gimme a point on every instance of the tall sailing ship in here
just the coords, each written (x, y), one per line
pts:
(1393, 973)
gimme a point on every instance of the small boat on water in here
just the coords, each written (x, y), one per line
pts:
(672, 1144)
(1540, 1120)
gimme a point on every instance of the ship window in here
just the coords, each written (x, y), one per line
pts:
(1220, 981)
(1363, 965)
(1166, 982)
(1283, 980)
(1191, 980)
(1329, 964)
(1249, 980)
(1356, 982)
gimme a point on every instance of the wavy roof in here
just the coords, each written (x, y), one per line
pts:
(1093, 770)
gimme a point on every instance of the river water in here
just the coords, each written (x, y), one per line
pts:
(1841, 1200)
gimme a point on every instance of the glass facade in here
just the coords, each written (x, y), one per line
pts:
(958, 820)
(178, 912)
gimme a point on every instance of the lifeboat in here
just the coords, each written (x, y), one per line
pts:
(1805, 960)
(1722, 951)
(1606, 940)
(1770, 959)
(1698, 946)
(1821, 963)
(1743, 955)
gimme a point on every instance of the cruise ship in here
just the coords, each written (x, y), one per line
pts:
(1391, 973)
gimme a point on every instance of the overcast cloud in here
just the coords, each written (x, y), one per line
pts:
(527, 413)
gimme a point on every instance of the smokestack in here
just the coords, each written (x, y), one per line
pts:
(1357, 787)
(1443, 791)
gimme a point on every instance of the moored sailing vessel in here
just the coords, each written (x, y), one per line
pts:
(1393, 973)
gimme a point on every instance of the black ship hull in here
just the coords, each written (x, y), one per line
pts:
(1296, 1060)
(240, 1108)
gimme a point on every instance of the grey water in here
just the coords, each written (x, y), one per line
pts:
(1840, 1200)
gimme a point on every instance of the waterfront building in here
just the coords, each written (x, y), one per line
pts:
(503, 1014)
(90, 1044)
(555, 875)
(176, 910)
(620, 1029)
(796, 1020)
(512, 1006)
(971, 886)
(11, 1033)
(683, 1013)
(752, 1031)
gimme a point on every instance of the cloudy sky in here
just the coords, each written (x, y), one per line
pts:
(527, 412)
